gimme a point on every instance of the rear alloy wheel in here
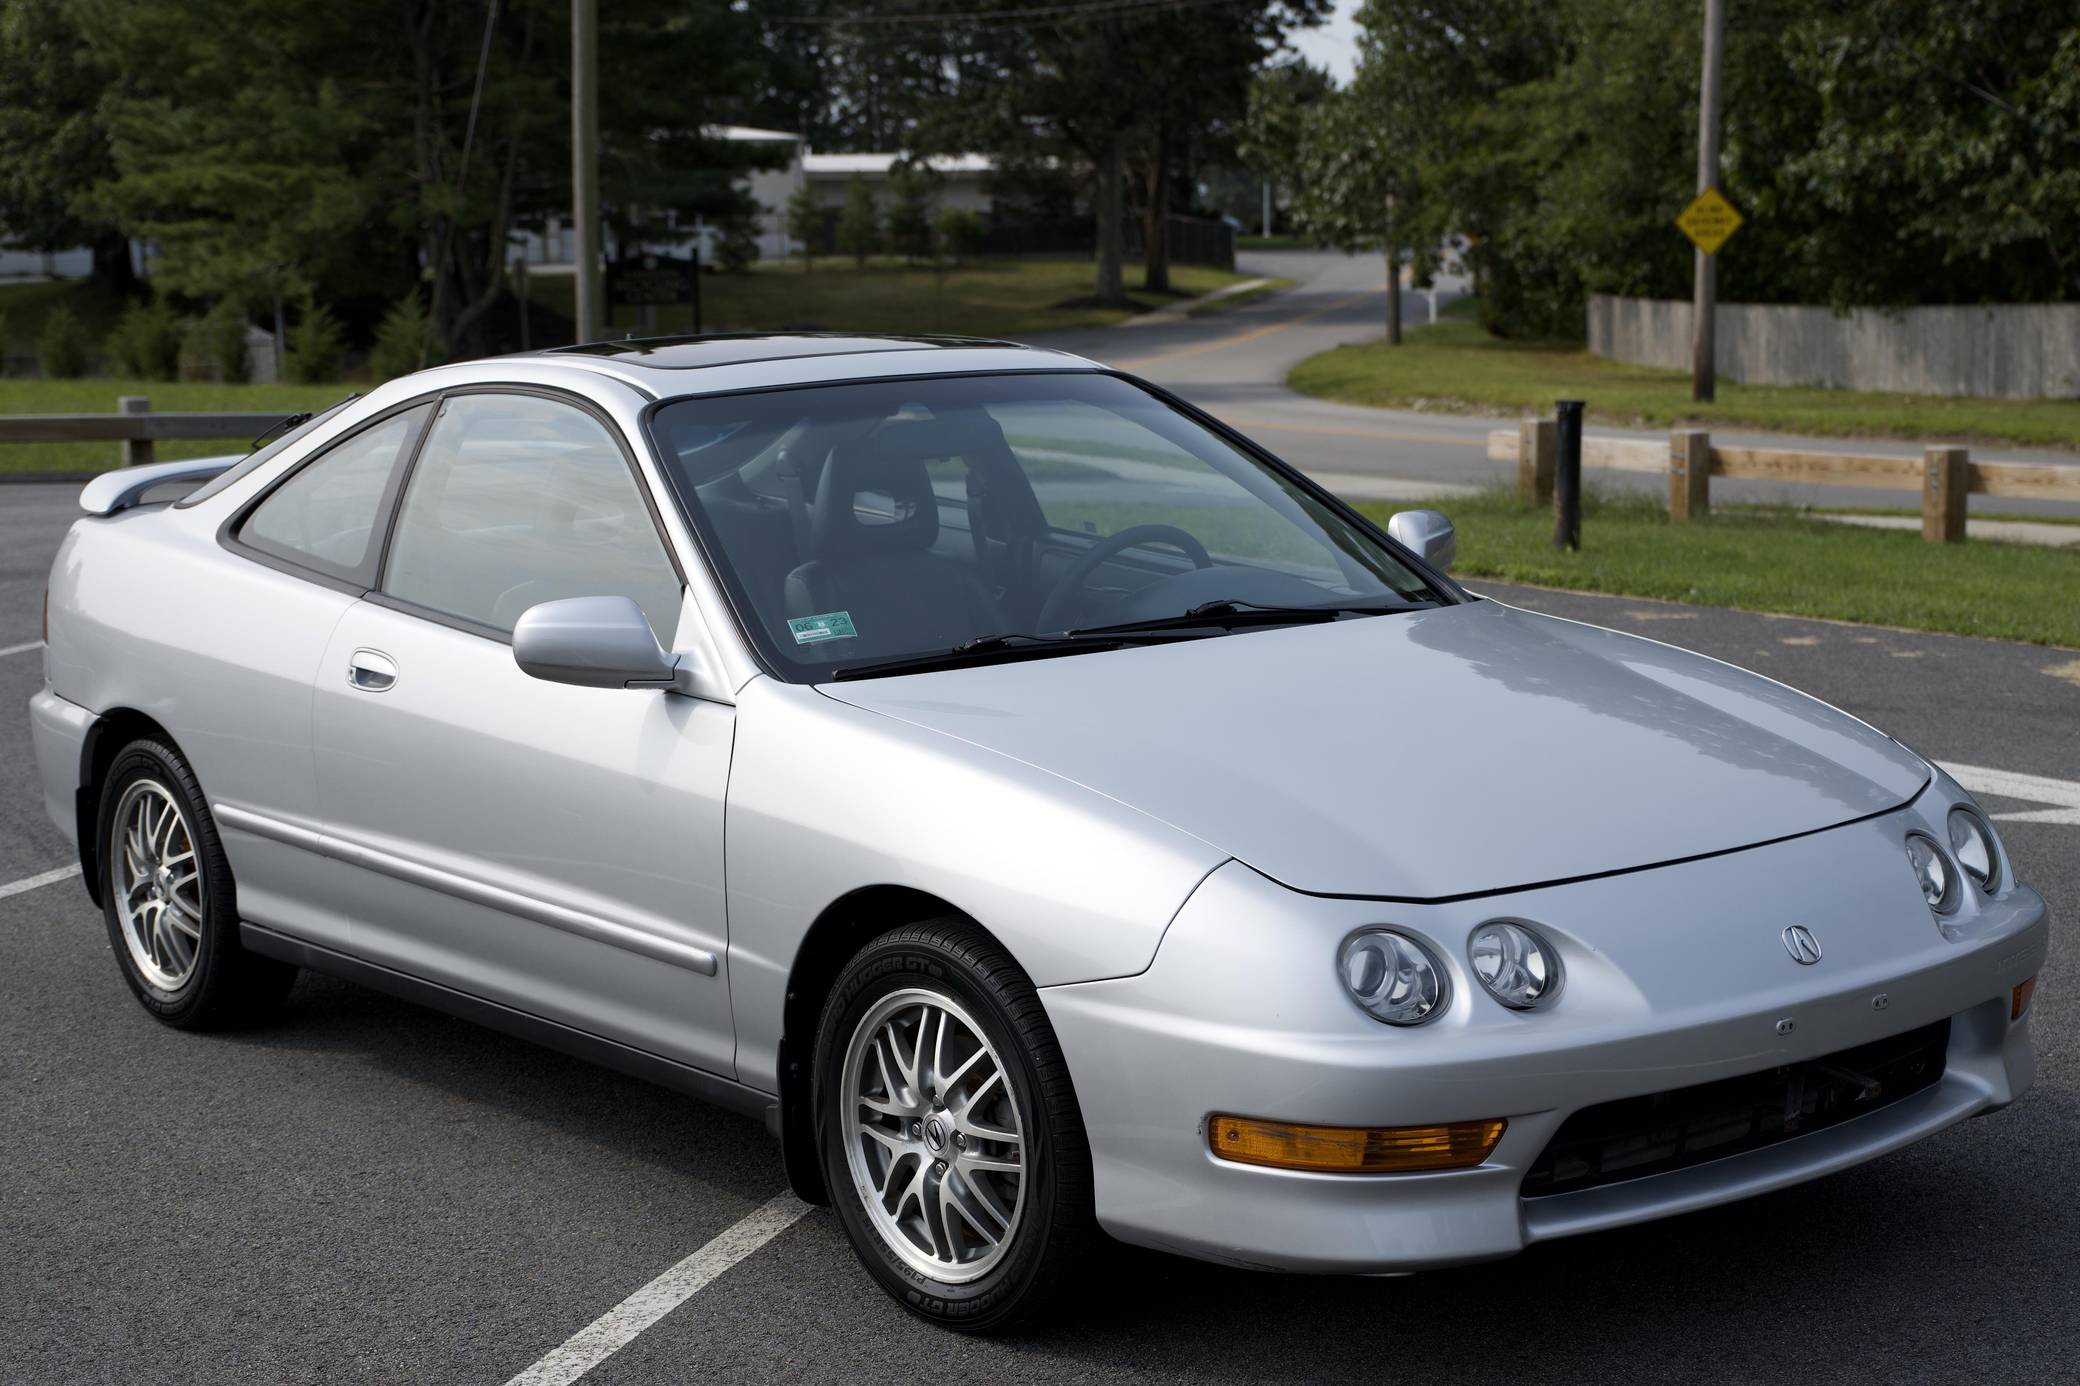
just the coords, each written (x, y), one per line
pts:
(950, 1137)
(169, 900)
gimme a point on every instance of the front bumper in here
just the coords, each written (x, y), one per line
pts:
(1674, 977)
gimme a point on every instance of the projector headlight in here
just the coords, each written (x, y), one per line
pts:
(1932, 873)
(1977, 851)
(1391, 976)
(1517, 967)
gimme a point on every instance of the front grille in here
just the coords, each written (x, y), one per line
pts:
(1663, 1131)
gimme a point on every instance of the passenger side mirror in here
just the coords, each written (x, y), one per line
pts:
(1429, 534)
(597, 642)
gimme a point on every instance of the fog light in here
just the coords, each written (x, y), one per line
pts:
(1353, 1149)
(2025, 992)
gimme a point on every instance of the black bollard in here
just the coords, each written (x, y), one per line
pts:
(1567, 476)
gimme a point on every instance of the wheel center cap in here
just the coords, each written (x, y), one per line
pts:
(935, 1135)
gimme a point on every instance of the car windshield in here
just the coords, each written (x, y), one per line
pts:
(890, 522)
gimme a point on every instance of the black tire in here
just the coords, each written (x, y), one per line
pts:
(226, 985)
(1056, 1232)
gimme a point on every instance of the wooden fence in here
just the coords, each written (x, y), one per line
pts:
(1943, 476)
(134, 426)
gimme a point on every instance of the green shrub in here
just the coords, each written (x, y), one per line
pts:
(960, 233)
(218, 340)
(910, 191)
(736, 245)
(317, 347)
(61, 350)
(859, 224)
(400, 338)
(146, 344)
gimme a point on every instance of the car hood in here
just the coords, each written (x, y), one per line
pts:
(1456, 751)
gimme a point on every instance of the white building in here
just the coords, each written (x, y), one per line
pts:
(962, 182)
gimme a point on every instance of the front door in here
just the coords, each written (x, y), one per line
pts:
(551, 848)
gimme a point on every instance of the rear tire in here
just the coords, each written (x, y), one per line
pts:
(169, 900)
(951, 1141)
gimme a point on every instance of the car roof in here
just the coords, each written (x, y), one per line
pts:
(664, 367)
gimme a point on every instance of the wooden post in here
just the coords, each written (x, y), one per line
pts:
(137, 452)
(1689, 475)
(1946, 474)
(1538, 444)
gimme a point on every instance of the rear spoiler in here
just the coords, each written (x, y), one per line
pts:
(120, 490)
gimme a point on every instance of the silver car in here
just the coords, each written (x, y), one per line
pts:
(1047, 811)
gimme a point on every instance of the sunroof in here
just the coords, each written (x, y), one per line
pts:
(728, 349)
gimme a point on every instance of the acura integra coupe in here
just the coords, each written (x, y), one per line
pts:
(1049, 812)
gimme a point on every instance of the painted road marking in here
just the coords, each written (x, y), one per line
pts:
(1239, 338)
(29, 883)
(619, 1326)
(2034, 789)
(21, 649)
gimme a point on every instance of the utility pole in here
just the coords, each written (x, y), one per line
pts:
(585, 166)
(1267, 209)
(1704, 300)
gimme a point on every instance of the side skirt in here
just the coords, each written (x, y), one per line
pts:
(637, 1063)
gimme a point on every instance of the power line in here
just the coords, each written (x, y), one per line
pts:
(1092, 9)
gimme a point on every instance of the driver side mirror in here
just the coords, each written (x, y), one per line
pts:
(1428, 534)
(597, 642)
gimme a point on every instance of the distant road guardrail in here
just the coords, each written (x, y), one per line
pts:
(136, 427)
(1944, 476)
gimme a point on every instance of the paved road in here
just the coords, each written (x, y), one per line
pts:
(365, 1192)
(1235, 364)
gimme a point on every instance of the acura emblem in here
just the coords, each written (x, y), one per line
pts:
(1801, 945)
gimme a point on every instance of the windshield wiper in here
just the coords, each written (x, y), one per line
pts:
(1231, 612)
(990, 649)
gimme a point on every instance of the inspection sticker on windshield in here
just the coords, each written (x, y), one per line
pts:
(814, 630)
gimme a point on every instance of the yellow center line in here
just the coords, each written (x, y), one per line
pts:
(1330, 430)
(1239, 338)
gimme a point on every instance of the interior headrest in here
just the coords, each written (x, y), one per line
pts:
(871, 501)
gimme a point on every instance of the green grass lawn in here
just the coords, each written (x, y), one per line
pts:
(1761, 560)
(169, 396)
(1457, 367)
(983, 298)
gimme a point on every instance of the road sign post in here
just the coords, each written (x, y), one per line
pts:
(650, 282)
(1704, 303)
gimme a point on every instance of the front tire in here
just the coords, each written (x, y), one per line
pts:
(948, 1130)
(169, 900)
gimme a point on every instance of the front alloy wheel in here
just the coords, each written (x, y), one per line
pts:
(948, 1130)
(935, 1153)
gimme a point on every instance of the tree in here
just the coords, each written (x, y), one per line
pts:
(859, 223)
(911, 190)
(53, 141)
(960, 233)
(1280, 97)
(804, 217)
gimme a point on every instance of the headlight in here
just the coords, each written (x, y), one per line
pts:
(1393, 977)
(1513, 963)
(1932, 872)
(1971, 841)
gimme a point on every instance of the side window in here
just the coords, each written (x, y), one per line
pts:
(518, 500)
(324, 517)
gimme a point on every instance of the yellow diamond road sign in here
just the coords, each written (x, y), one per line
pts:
(1709, 221)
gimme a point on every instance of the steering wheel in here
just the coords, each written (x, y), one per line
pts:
(1134, 535)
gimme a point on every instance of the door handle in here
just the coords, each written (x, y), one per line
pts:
(371, 671)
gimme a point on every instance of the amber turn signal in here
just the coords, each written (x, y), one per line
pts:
(1353, 1149)
(2023, 992)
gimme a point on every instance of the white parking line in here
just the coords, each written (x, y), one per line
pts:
(21, 649)
(28, 883)
(618, 1327)
(2033, 789)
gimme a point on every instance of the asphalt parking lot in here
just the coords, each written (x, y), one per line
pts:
(367, 1192)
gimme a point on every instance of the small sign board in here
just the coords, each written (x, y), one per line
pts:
(1710, 221)
(652, 281)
